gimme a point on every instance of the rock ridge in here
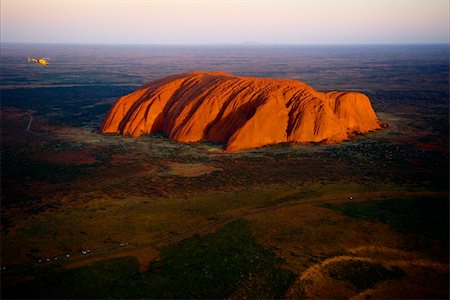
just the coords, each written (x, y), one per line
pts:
(242, 112)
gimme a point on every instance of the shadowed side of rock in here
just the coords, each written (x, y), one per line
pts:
(242, 112)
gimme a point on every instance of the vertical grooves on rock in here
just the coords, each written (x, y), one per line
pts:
(240, 111)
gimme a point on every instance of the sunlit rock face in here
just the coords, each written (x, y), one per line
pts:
(242, 112)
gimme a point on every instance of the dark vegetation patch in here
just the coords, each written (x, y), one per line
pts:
(16, 164)
(362, 274)
(386, 99)
(115, 278)
(71, 106)
(19, 171)
(209, 267)
(393, 162)
(423, 216)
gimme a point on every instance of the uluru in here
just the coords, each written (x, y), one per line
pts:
(241, 112)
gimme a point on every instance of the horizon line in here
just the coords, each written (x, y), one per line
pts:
(228, 44)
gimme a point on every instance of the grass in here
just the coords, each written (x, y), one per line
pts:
(17, 164)
(105, 279)
(423, 216)
(362, 274)
(78, 101)
(141, 219)
(212, 266)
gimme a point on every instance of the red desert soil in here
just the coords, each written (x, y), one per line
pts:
(242, 112)
(191, 170)
(72, 157)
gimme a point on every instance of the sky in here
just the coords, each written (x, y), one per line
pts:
(225, 21)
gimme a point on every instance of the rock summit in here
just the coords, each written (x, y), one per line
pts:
(242, 112)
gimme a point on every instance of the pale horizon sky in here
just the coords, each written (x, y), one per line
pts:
(225, 22)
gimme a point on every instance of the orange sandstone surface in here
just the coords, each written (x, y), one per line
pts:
(242, 112)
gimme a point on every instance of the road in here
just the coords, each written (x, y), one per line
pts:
(29, 122)
(55, 262)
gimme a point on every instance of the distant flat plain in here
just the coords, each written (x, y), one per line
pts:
(93, 216)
